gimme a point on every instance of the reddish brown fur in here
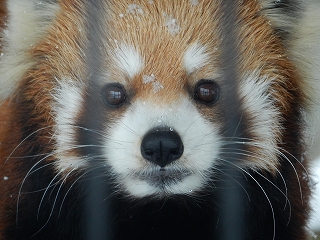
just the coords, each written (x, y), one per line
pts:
(5, 126)
(10, 177)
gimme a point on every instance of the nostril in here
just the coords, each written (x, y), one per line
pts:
(162, 147)
(175, 151)
(148, 152)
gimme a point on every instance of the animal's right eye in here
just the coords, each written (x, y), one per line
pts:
(114, 95)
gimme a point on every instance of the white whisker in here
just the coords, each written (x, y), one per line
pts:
(26, 138)
(264, 192)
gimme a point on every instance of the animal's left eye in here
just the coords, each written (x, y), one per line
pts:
(207, 91)
(114, 95)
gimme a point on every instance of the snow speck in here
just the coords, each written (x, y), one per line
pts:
(121, 15)
(134, 9)
(157, 86)
(5, 178)
(173, 25)
(148, 78)
(151, 79)
(160, 119)
(194, 2)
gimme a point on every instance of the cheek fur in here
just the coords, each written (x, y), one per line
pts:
(263, 122)
(68, 97)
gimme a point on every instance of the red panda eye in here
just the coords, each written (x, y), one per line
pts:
(207, 91)
(114, 95)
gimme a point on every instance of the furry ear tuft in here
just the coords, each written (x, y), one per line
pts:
(27, 22)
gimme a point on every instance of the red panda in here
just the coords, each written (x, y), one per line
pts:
(154, 119)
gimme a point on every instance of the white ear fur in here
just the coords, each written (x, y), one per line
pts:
(26, 24)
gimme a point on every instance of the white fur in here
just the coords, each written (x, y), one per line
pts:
(68, 99)
(128, 59)
(200, 139)
(195, 57)
(265, 125)
(28, 21)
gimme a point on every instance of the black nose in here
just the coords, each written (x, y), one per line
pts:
(161, 147)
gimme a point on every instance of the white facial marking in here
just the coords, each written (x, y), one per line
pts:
(68, 98)
(128, 59)
(264, 117)
(122, 147)
(195, 57)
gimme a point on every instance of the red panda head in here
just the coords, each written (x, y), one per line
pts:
(153, 108)
(168, 106)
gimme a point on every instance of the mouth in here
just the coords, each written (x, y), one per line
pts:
(164, 177)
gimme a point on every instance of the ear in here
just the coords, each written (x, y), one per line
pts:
(297, 22)
(26, 23)
(283, 14)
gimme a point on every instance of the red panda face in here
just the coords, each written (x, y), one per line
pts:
(159, 99)
(175, 110)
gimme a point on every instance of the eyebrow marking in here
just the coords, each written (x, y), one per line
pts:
(195, 57)
(128, 59)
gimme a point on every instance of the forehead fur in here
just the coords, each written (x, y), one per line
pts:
(162, 25)
(169, 39)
